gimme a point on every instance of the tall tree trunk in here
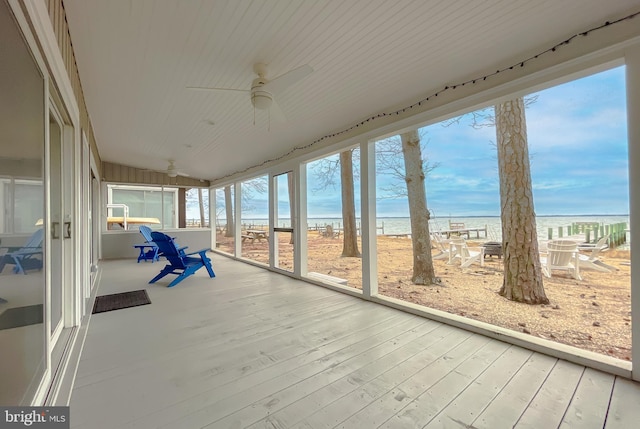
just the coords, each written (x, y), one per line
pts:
(291, 204)
(350, 232)
(201, 204)
(228, 204)
(423, 273)
(522, 272)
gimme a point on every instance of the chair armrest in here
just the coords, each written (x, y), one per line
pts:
(36, 251)
(198, 252)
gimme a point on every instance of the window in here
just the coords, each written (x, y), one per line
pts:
(138, 205)
(21, 205)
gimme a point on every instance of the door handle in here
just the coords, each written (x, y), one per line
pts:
(54, 230)
(67, 229)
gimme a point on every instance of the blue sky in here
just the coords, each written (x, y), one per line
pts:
(578, 148)
(579, 162)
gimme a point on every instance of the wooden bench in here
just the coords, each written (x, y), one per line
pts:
(327, 278)
(454, 226)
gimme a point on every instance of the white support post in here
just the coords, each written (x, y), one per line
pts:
(368, 219)
(212, 217)
(300, 238)
(273, 215)
(237, 214)
(632, 59)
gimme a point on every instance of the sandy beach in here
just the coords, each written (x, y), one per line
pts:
(592, 314)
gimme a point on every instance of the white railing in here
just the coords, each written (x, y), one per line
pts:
(125, 210)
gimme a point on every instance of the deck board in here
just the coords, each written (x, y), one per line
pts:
(588, 407)
(378, 412)
(550, 403)
(507, 407)
(346, 391)
(255, 349)
(624, 410)
(471, 401)
(425, 407)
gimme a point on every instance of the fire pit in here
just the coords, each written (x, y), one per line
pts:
(492, 248)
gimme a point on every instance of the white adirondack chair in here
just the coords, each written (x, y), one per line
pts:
(440, 243)
(592, 261)
(458, 249)
(561, 255)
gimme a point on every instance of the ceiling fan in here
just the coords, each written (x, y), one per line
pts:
(263, 90)
(172, 171)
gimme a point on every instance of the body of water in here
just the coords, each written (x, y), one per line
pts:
(402, 225)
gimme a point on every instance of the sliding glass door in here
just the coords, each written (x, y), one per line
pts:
(22, 217)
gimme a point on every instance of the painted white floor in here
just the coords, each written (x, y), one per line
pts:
(255, 349)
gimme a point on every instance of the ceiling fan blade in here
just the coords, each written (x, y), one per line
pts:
(289, 78)
(276, 113)
(203, 88)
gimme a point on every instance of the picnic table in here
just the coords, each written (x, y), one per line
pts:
(254, 234)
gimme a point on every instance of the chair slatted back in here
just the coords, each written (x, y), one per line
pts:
(169, 249)
(560, 252)
(33, 243)
(460, 247)
(146, 233)
(599, 247)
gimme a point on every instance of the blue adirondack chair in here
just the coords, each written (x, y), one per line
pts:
(149, 250)
(27, 257)
(180, 263)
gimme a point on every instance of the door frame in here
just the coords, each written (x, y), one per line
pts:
(298, 204)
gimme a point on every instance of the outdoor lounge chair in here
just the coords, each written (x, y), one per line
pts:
(592, 261)
(438, 242)
(149, 250)
(180, 263)
(561, 255)
(27, 257)
(458, 249)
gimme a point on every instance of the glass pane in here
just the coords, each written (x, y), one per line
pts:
(225, 241)
(577, 140)
(197, 208)
(152, 206)
(22, 331)
(333, 219)
(284, 245)
(255, 219)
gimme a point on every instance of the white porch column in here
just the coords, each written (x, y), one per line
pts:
(368, 219)
(632, 59)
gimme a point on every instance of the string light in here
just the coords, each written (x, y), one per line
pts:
(425, 100)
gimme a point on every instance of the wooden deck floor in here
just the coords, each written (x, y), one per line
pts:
(255, 349)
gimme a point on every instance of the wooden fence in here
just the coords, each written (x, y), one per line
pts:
(593, 231)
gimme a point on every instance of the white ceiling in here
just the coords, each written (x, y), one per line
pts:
(136, 59)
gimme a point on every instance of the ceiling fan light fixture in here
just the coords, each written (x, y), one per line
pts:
(261, 100)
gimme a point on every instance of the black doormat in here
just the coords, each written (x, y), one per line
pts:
(118, 301)
(21, 316)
